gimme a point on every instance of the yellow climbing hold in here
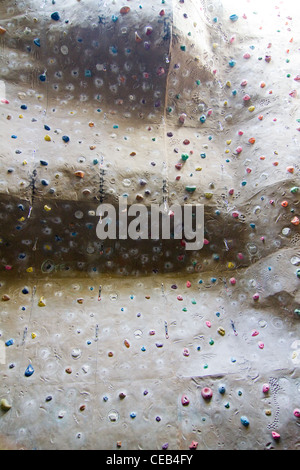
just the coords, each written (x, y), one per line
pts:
(251, 108)
(221, 331)
(29, 270)
(42, 302)
(47, 138)
(47, 208)
(230, 265)
(33, 335)
(5, 406)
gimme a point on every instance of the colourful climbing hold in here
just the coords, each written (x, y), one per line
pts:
(124, 10)
(29, 371)
(55, 16)
(207, 393)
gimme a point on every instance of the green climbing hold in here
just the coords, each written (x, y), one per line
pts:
(190, 189)
(295, 189)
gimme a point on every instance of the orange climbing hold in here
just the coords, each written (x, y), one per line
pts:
(295, 220)
(251, 140)
(124, 10)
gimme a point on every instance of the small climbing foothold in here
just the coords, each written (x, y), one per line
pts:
(5, 406)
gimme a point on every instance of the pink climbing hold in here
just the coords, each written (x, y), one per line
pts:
(182, 118)
(206, 393)
(184, 400)
(265, 388)
(293, 93)
(297, 413)
(193, 445)
(275, 435)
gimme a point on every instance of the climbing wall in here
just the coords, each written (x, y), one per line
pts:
(123, 344)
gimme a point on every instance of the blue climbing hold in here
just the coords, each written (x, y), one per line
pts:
(55, 16)
(29, 371)
(37, 42)
(244, 421)
(234, 17)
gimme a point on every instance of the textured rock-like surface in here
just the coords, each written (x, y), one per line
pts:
(148, 100)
